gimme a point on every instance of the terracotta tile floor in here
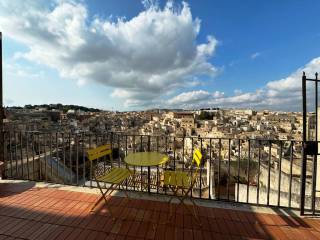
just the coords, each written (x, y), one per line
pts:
(48, 213)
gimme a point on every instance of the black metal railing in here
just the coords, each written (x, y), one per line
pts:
(255, 171)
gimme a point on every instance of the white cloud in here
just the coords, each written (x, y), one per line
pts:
(255, 55)
(237, 91)
(189, 97)
(282, 94)
(218, 94)
(142, 58)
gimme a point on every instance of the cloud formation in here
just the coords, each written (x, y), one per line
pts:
(282, 94)
(189, 97)
(142, 58)
(255, 55)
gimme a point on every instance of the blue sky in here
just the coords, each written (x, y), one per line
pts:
(194, 54)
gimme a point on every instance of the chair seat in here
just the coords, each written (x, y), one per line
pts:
(115, 176)
(177, 178)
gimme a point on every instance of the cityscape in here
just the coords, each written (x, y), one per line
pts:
(211, 123)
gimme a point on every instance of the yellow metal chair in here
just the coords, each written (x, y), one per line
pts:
(115, 177)
(183, 182)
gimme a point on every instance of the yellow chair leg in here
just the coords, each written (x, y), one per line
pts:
(182, 200)
(103, 195)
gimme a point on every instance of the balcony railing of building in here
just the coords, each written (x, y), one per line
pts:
(253, 171)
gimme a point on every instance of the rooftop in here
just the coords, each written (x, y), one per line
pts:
(32, 211)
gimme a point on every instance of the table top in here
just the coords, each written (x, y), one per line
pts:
(146, 159)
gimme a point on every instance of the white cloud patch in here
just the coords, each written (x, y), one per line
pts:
(218, 94)
(142, 58)
(282, 94)
(189, 97)
(255, 55)
(237, 91)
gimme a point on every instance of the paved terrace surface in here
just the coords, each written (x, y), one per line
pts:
(30, 212)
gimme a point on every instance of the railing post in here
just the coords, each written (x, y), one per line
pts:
(304, 139)
(77, 158)
(149, 172)
(315, 157)
(111, 143)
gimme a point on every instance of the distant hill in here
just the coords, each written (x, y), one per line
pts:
(60, 107)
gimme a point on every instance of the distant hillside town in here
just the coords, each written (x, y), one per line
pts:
(213, 123)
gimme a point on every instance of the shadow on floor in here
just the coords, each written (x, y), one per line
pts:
(8, 189)
(49, 213)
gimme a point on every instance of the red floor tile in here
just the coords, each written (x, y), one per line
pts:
(44, 213)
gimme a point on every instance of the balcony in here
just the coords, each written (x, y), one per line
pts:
(246, 189)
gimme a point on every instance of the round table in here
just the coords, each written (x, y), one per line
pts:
(146, 159)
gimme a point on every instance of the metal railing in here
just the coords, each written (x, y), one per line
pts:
(254, 171)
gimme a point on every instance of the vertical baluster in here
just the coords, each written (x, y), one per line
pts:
(16, 152)
(39, 155)
(157, 142)
(5, 154)
(50, 160)
(112, 145)
(248, 170)
(149, 172)
(238, 168)
(104, 159)
(21, 156)
(77, 158)
(192, 149)
(119, 159)
(279, 176)
(45, 156)
(57, 155)
(126, 153)
(27, 155)
(229, 156)
(141, 177)
(83, 137)
(201, 169)
(210, 173)
(183, 146)
(259, 162)
(90, 161)
(134, 167)
(166, 142)
(291, 163)
(33, 150)
(64, 157)
(174, 153)
(313, 183)
(269, 168)
(70, 159)
(10, 147)
(219, 157)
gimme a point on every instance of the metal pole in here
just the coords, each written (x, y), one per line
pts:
(304, 139)
(314, 171)
(2, 170)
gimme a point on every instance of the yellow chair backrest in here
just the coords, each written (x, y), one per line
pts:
(197, 156)
(98, 152)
